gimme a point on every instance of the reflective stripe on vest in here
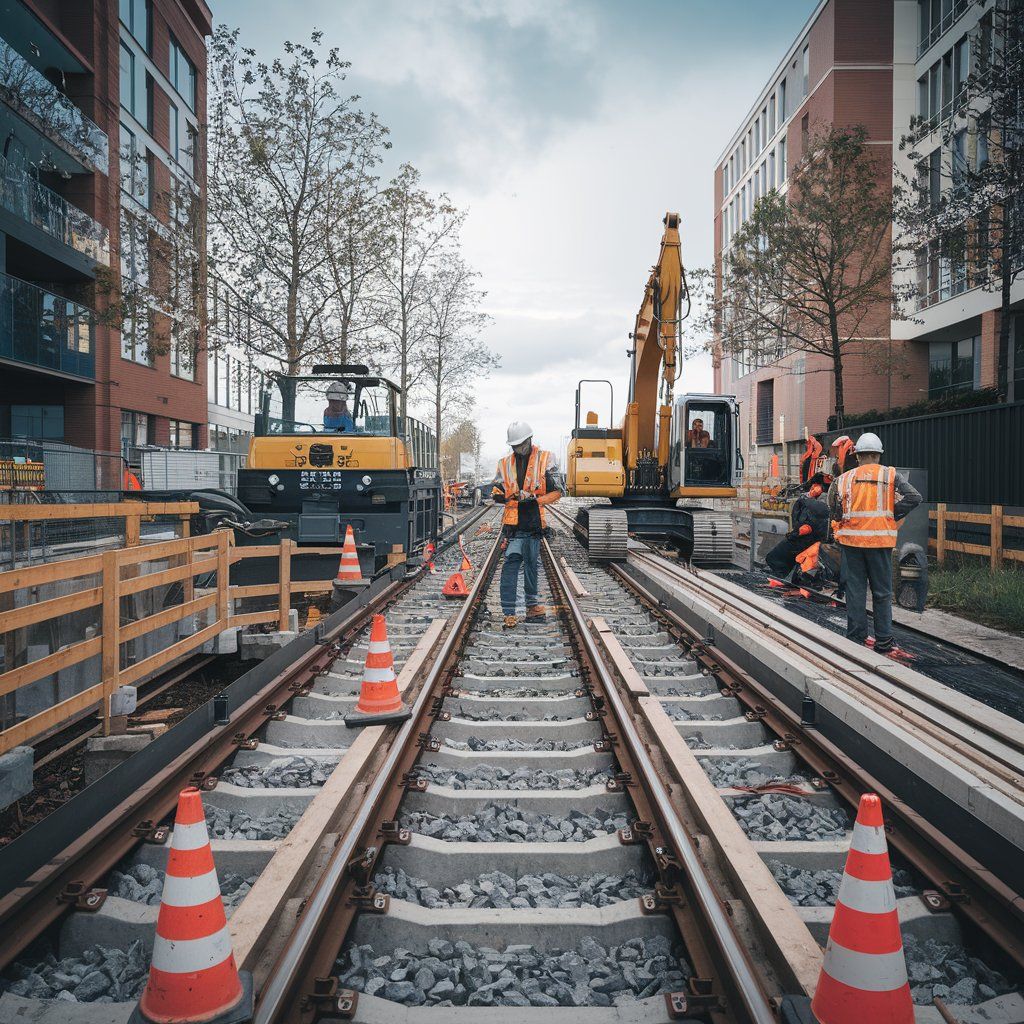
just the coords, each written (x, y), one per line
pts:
(534, 482)
(867, 495)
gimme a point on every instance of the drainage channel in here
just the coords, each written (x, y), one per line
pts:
(789, 816)
(100, 951)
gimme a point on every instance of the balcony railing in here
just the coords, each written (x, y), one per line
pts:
(26, 197)
(943, 25)
(46, 330)
(40, 102)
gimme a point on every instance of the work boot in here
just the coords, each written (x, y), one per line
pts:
(536, 613)
(510, 622)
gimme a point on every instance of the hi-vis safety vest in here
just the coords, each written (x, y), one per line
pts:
(534, 482)
(868, 498)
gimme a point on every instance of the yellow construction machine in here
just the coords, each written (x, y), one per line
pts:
(668, 452)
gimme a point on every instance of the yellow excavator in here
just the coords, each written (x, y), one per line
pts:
(668, 452)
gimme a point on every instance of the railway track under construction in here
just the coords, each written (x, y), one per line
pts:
(610, 815)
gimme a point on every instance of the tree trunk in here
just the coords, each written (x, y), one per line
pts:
(1003, 348)
(837, 371)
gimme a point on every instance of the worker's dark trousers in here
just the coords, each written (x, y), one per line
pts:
(782, 558)
(522, 553)
(866, 566)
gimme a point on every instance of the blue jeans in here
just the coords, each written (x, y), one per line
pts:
(866, 566)
(521, 553)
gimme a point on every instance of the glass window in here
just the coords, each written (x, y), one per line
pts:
(771, 117)
(782, 101)
(805, 66)
(135, 17)
(954, 366)
(183, 351)
(172, 130)
(135, 337)
(127, 79)
(958, 162)
(961, 65)
(37, 421)
(782, 160)
(981, 155)
(771, 169)
(947, 82)
(182, 74)
(134, 245)
(934, 89)
(180, 434)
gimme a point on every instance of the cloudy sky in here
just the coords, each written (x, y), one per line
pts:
(567, 128)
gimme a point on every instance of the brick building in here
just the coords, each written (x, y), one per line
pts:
(880, 64)
(102, 109)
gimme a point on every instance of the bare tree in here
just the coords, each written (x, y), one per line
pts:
(451, 356)
(463, 438)
(289, 155)
(961, 209)
(419, 229)
(810, 271)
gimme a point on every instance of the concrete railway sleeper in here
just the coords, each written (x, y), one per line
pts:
(790, 795)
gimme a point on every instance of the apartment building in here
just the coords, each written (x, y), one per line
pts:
(955, 316)
(102, 109)
(839, 70)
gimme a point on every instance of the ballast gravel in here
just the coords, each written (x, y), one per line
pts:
(100, 975)
(503, 823)
(458, 974)
(743, 772)
(485, 776)
(948, 971)
(680, 714)
(224, 824)
(500, 891)
(144, 884)
(282, 772)
(476, 743)
(806, 888)
(520, 691)
(777, 817)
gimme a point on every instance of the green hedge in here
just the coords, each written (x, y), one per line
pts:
(947, 403)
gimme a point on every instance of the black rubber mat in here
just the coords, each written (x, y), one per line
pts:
(1000, 687)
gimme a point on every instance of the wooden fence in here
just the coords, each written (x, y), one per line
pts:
(993, 551)
(122, 573)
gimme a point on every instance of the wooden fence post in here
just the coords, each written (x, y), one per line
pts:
(132, 530)
(284, 571)
(996, 537)
(110, 650)
(940, 532)
(223, 577)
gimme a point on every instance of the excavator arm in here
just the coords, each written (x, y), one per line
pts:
(655, 350)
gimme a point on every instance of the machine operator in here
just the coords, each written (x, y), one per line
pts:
(336, 415)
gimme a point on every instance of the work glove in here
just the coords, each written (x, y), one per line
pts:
(527, 496)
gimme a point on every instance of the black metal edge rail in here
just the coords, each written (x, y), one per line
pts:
(71, 849)
(747, 1000)
(290, 991)
(850, 765)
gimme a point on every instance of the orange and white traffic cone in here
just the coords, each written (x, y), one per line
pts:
(864, 976)
(379, 699)
(455, 586)
(193, 977)
(467, 565)
(349, 572)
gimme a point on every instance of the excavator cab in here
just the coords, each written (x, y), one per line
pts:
(706, 457)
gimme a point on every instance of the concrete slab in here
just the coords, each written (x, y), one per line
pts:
(261, 802)
(813, 855)
(527, 707)
(445, 800)
(245, 857)
(19, 1010)
(267, 752)
(583, 757)
(572, 730)
(16, 771)
(736, 732)
(105, 753)
(481, 684)
(915, 919)
(308, 732)
(118, 923)
(323, 705)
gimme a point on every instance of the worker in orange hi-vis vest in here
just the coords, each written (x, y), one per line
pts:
(526, 481)
(865, 511)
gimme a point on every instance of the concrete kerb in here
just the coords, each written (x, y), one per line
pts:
(411, 926)
(443, 800)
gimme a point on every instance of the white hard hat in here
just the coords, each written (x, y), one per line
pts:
(839, 440)
(869, 443)
(337, 391)
(518, 432)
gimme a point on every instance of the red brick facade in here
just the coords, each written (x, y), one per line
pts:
(91, 29)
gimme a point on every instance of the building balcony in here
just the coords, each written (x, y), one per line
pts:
(38, 101)
(25, 197)
(44, 330)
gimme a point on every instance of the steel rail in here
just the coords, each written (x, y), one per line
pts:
(971, 752)
(281, 996)
(746, 987)
(959, 879)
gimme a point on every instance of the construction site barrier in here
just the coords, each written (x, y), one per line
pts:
(995, 520)
(108, 577)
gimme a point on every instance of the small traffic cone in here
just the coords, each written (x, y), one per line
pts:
(864, 976)
(379, 700)
(455, 586)
(467, 565)
(193, 977)
(428, 556)
(349, 572)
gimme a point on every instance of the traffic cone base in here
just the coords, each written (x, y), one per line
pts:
(379, 699)
(864, 975)
(193, 978)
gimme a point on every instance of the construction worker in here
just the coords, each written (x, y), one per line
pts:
(809, 522)
(526, 481)
(697, 436)
(843, 459)
(864, 506)
(336, 415)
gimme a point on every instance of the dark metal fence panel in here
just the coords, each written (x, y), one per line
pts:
(973, 456)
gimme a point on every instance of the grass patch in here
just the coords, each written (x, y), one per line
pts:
(971, 589)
